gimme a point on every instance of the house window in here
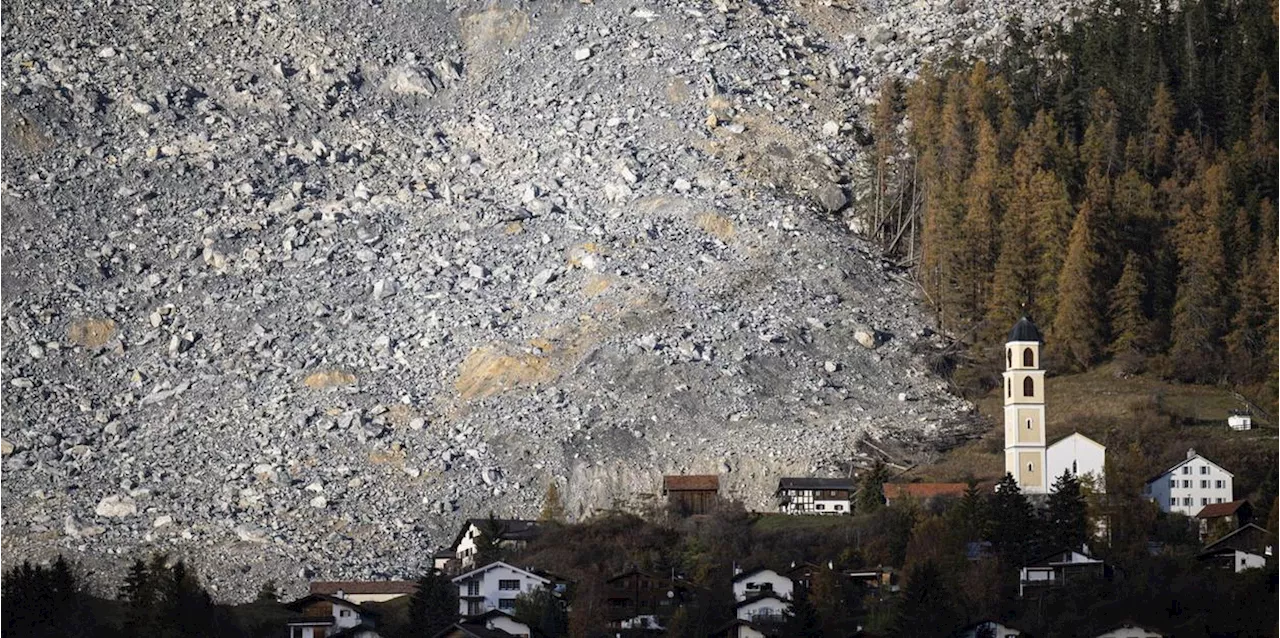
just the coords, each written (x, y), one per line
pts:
(1204, 485)
(1218, 501)
(1219, 484)
(1186, 470)
(1173, 483)
(509, 585)
(506, 603)
(473, 588)
(344, 613)
(840, 508)
(819, 506)
(1028, 358)
(1188, 501)
(1204, 501)
(1204, 469)
(1186, 483)
(1028, 387)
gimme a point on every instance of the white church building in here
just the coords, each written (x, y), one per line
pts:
(1033, 464)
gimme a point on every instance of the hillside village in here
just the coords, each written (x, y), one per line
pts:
(679, 318)
(1035, 532)
(765, 597)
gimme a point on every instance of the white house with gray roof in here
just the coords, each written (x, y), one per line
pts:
(1190, 485)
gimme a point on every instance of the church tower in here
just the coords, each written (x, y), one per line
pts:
(1024, 444)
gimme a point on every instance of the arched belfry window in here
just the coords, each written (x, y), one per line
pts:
(1028, 358)
(1008, 355)
(1028, 387)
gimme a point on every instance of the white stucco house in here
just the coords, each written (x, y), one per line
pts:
(988, 628)
(512, 532)
(1058, 569)
(1250, 547)
(1130, 630)
(319, 615)
(764, 608)
(752, 583)
(488, 625)
(762, 595)
(739, 628)
(496, 586)
(1190, 485)
(1080, 455)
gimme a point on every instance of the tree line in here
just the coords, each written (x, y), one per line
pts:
(957, 562)
(1116, 180)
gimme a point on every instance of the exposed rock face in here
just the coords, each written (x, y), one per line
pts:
(116, 506)
(294, 287)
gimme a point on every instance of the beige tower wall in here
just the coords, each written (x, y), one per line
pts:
(1024, 447)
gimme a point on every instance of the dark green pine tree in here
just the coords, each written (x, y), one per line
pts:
(927, 608)
(186, 609)
(1066, 522)
(543, 610)
(1010, 522)
(870, 496)
(802, 621)
(44, 601)
(433, 606)
(971, 513)
(489, 542)
(140, 594)
(268, 593)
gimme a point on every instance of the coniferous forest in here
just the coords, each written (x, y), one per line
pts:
(1116, 180)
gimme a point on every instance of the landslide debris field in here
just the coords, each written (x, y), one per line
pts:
(290, 288)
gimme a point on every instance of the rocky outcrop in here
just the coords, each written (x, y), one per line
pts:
(291, 289)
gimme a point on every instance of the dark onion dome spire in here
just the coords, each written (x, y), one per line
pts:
(1025, 330)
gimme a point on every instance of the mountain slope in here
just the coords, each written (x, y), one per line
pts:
(291, 288)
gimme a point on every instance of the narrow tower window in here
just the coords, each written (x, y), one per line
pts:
(1029, 468)
(1073, 468)
(1028, 358)
(1028, 387)
(1028, 424)
(1008, 355)
(1008, 387)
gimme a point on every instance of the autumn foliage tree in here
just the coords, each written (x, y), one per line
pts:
(1116, 180)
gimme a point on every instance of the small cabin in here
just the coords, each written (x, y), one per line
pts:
(1240, 421)
(692, 494)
